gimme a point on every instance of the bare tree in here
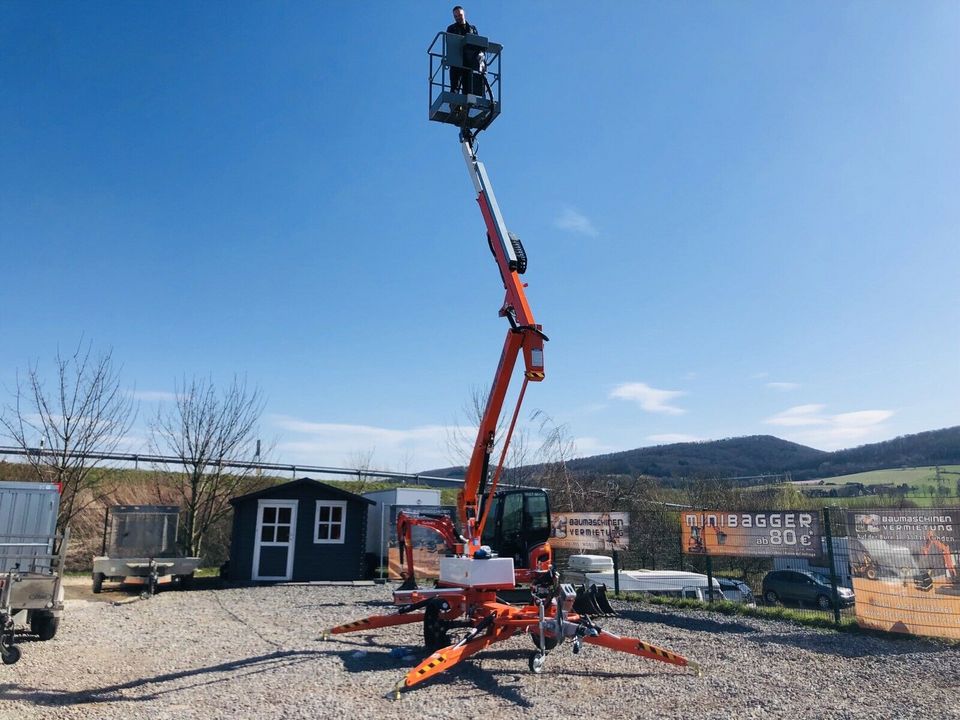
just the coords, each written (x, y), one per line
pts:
(206, 429)
(461, 436)
(557, 448)
(85, 413)
(362, 461)
(460, 439)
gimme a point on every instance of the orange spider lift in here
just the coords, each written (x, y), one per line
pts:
(466, 595)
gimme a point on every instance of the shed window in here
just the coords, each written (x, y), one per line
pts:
(275, 525)
(331, 521)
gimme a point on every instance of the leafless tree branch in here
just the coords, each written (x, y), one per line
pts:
(206, 428)
(87, 412)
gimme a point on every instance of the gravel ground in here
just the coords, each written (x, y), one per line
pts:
(257, 652)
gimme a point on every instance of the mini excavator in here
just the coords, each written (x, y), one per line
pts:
(936, 547)
(474, 574)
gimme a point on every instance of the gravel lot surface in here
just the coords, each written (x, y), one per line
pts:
(257, 652)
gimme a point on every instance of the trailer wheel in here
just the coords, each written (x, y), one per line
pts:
(11, 655)
(185, 581)
(434, 630)
(98, 579)
(44, 626)
(537, 661)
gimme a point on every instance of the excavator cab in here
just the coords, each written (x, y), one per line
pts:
(464, 80)
(519, 527)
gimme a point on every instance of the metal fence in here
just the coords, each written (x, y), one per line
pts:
(890, 569)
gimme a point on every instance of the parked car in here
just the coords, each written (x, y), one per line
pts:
(737, 591)
(803, 587)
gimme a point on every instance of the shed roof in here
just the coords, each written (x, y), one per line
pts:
(306, 483)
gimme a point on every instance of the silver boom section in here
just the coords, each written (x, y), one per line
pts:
(481, 183)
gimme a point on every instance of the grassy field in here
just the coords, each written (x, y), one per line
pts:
(931, 486)
(897, 476)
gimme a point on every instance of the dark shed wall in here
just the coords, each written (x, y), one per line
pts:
(330, 561)
(241, 544)
(311, 561)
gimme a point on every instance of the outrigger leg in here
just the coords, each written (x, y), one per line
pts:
(447, 657)
(405, 614)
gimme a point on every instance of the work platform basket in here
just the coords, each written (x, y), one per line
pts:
(464, 80)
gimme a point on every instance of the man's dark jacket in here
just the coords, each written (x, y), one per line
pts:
(470, 56)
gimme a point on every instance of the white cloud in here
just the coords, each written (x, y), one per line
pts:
(575, 222)
(669, 438)
(799, 415)
(832, 432)
(783, 386)
(334, 444)
(650, 399)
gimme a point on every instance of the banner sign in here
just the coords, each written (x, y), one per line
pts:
(904, 565)
(590, 530)
(754, 534)
(428, 546)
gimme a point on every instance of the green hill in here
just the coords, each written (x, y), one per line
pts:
(757, 455)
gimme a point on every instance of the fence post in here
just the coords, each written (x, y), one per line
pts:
(828, 531)
(710, 578)
(616, 574)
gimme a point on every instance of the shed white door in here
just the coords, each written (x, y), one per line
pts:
(276, 540)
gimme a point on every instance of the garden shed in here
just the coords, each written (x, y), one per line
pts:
(299, 531)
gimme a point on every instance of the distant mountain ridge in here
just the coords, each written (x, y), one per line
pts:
(766, 455)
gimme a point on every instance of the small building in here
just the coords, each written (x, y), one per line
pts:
(299, 531)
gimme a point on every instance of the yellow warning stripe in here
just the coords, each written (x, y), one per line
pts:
(354, 624)
(535, 375)
(653, 649)
(430, 666)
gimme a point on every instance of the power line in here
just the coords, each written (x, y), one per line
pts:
(137, 458)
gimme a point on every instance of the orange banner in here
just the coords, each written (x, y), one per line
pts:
(755, 534)
(904, 565)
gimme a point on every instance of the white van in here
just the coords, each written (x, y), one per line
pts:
(598, 569)
(668, 583)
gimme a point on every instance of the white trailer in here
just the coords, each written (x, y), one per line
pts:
(140, 548)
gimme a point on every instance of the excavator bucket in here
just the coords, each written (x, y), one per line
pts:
(409, 584)
(585, 603)
(599, 593)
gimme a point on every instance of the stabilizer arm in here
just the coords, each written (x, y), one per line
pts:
(635, 646)
(403, 616)
(484, 634)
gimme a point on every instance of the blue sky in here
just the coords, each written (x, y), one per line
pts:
(741, 217)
